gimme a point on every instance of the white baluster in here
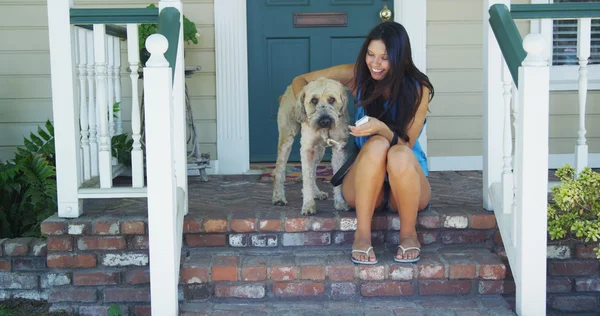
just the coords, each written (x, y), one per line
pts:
(162, 183)
(516, 167)
(117, 71)
(137, 154)
(507, 177)
(104, 153)
(584, 27)
(75, 37)
(83, 111)
(532, 194)
(492, 106)
(92, 110)
(110, 54)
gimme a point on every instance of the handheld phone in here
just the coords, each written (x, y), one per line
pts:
(362, 121)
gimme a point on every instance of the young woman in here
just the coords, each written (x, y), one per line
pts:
(390, 166)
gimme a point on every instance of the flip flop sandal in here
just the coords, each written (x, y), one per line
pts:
(404, 251)
(365, 252)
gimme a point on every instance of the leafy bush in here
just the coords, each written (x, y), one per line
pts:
(190, 32)
(575, 211)
(28, 186)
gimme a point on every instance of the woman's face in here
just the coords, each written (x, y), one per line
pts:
(377, 59)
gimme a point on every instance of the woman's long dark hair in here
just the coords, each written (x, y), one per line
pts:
(400, 81)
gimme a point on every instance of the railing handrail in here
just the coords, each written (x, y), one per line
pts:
(111, 29)
(169, 26)
(508, 37)
(113, 15)
(555, 11)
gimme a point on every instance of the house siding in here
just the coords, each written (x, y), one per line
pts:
(454, 65)
(25, 90)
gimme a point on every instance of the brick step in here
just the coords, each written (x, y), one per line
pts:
(330, 275)
(285, 228)
(488, 305)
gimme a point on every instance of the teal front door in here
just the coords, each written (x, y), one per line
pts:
(290, 37)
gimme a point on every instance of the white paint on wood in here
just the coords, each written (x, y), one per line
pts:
(179, 118)
(162, 183)
(66, 114)
(492, 105)
(507, 172)
(104, 152)
(117, 73)
(110, 65)
(584, 29)
(92, 109)
(530, 259)
(137, 153)
(81, 50)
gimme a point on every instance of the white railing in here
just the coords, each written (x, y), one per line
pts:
(86, 83)
(166, 200)
(516, 173)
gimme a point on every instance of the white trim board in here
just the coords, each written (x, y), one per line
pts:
(466, 163)
(231, 67)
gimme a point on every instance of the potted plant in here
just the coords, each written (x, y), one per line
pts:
(190, 34)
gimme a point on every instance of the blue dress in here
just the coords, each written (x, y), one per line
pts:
(417, 150)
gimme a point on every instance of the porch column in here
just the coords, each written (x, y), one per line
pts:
(233, 141)
(66, 114)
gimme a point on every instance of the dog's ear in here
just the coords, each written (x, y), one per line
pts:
(300, 110)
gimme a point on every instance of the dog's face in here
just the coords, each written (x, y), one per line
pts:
(324, 103)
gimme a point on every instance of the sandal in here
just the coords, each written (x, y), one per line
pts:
(365, 252)
(408, 260)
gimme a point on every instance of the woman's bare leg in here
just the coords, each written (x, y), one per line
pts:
(410, 192)
(362, 188)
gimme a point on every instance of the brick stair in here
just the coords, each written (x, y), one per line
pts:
(289, 228)
(329, 274)
(279, 255)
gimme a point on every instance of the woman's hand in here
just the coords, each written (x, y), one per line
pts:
(371, 127)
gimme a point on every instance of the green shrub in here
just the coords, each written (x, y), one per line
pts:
(575, 210)
(190, 32)
(28, 186)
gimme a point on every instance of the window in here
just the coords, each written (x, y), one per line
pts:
(564, 40)
(562, 35)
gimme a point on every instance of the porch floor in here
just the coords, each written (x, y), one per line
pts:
(223, 194)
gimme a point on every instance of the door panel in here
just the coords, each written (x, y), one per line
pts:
(278, 51)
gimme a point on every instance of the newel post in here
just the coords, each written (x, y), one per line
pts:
(162, 183)
(532, 191)
(64, 108)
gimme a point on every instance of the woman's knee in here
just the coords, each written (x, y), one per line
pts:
(376, 146)
(400, 159)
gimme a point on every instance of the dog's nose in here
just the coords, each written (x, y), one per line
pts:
(325, 122)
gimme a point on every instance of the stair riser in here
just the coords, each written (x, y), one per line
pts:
(331, 290)
(318, 238)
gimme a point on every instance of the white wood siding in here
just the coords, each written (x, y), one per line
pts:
(25, 92)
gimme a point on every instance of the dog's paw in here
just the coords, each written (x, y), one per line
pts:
(309, 209)
(322, 195)
(341, 206)
(279, 201)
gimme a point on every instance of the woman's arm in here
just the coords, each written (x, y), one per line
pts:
(375, 126)
(417, 124)
(343, 73)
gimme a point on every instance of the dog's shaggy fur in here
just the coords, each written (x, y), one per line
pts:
(319, 113)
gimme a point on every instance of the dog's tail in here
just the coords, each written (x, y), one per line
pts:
(279, 99)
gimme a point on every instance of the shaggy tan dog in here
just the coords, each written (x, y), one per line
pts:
(321, 115)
